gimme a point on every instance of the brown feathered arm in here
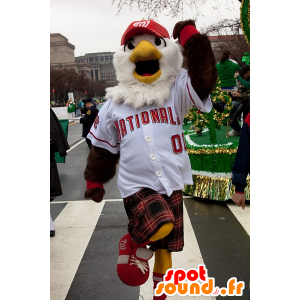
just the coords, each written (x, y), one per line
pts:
(199, 59)
(100, 168)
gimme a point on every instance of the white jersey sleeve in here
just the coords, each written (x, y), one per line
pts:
(103, 133)
(186, 97)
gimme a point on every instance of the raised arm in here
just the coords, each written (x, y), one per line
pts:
(199, 57)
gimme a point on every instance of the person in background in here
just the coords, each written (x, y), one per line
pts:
(81, 106)
(233, 60)
(88, 120)
(241, 165)
(242, 98)
(58, 143)
(77, 113)
(226, 70)
(246, 72)
(97, 102)
(71, 110)
(99, 105)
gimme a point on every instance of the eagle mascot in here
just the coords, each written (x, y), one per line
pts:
(140, 127)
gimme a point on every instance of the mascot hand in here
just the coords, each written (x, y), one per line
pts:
(96, 194)
(179, 26)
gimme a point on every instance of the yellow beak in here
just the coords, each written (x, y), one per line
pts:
(145, 51)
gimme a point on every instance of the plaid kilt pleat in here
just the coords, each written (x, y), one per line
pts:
(147, 211)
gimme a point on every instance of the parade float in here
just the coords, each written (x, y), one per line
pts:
(211, 150)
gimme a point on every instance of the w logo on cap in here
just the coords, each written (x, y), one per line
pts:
(144, 26)
(141, 24)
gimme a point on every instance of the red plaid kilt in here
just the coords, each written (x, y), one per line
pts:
(147, 211)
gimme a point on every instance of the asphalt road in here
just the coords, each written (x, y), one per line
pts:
(213, 230)
(74, 132)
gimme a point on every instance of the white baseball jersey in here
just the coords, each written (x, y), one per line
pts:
(150, 139)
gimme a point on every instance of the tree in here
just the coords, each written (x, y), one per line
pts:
(236, 42)
(66, 81)
(57, 83)
(71, 80)
(96, 88)
(237, 47)
(82, 85)
(173, 8)
(63, 81)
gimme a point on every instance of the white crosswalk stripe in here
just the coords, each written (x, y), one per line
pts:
(74, 228)
(243, 216)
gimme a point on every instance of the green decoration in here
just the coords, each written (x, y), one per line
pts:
(246, 58)
(245, 19)
(214, 188)
(217, 96)
(213, 120)
(211, 127)
(211, 165)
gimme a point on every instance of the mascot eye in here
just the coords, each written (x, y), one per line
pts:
(129, 46)
(158, 42)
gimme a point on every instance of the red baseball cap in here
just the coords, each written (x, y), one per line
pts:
(144, 26)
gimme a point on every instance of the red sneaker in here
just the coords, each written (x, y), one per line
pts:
(132, 266)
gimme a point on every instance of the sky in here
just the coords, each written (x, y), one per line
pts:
(94, 26)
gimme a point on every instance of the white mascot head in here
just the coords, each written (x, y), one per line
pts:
(146, 65)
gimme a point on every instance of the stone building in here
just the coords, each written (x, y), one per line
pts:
(62, 55)
(102, 67)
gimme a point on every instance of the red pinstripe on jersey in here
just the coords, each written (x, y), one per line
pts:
(103, 140)
(190, 93)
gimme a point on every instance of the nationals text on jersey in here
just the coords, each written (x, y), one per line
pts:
(161, 115)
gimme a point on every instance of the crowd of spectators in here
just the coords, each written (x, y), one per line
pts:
(236, 81)
(79, 107)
